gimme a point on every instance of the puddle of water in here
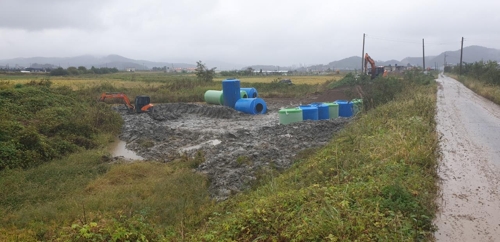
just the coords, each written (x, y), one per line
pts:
(118, 148)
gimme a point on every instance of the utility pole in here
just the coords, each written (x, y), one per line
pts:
(363, 56)
(444, 65)
(461, 54)
(423, 53)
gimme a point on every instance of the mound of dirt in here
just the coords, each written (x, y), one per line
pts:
(236, 146)
(169, 111)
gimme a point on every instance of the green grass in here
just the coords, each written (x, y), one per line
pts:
(83, 188)
(375, 180)
(487, 90)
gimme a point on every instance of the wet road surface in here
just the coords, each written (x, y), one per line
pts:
(469, 137)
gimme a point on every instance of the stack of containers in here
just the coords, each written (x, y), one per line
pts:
(290, 115)
(309, 112)
(345, 108)
(333, 110)
(357, 105)
(323, 111)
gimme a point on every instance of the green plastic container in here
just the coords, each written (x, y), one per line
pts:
(333, 109)
(214, 97)
(243, 94)
(290, 115)
(357, 105)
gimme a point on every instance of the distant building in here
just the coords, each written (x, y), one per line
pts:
(33, 69)
(130, 69)
(395, 68)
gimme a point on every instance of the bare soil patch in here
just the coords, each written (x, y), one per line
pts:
(236, 146)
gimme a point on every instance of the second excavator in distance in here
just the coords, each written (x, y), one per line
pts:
(376, 70)
(141, 104)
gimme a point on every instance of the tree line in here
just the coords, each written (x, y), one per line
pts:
(488, 72)
(74, 71)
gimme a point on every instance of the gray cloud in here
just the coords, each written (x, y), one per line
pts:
(36, 15)
(243, 32)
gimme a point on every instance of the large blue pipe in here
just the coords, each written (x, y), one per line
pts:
(251, 106)
(252, 92)
(231, 92)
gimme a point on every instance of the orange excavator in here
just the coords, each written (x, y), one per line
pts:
(376, 70)
(142, 103)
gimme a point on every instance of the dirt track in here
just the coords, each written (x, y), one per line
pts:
(469, 130)
(236, 146)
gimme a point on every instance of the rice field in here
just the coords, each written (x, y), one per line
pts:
(310, 80)
(149, 80)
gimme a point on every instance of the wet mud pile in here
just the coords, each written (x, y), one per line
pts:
(236, 146)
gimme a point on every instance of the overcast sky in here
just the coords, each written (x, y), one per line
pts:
(244, 32)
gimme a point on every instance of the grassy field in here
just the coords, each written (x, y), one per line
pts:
(171, 88)
(152, 80)
(310, 80)
(487, 90)
(374, 181)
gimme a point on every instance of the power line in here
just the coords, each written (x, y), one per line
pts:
(411, 42)
(392, 40)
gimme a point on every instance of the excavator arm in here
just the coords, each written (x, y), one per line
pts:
(142, 103)
(368, 59)
(118, 95)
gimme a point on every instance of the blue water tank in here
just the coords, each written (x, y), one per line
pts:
(251, 105)
(231, 91)
(323, 110)
(345, 108)
(251, 92)
(309, 112)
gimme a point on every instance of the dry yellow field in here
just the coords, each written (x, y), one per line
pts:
(121, 80)
(79, 83)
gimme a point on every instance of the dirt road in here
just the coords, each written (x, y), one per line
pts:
(469, 130)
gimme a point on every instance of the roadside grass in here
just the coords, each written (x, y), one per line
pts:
(487, 90)
(310, 80)
(376, 180)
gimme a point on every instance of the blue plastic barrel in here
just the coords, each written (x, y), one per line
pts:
(309, 112)
(251, 106)
(251, 92)
(231, 91)
(345, 108)
(323, 110)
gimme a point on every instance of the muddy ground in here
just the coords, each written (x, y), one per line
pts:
(236, 146)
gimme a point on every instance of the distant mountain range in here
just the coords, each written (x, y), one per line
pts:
(471, 54)
(88, 61)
